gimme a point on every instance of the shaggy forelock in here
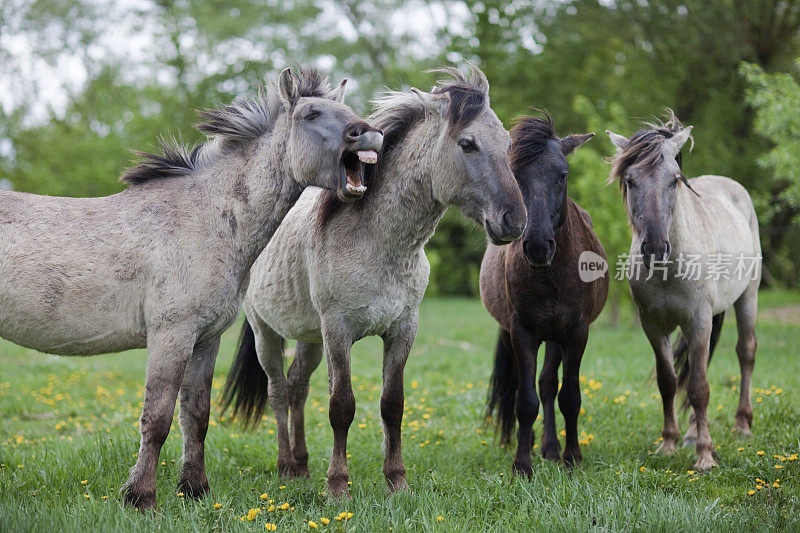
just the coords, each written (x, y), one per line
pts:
(529, 138)
(644, 149)
(469, 96)
(229, 126)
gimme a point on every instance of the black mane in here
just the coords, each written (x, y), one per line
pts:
(529, 138)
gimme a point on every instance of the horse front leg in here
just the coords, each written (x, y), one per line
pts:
(667, 383)
(342, 409)
(698, 334)
(306, 360)
(525, 348)
(548, 388)
(195, 401)
(397, 345)
(168, 353)
(569, 398)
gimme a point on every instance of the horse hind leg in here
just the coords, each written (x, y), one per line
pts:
(269, 347)
(195, 402)
(746, 308)
(306, 360)
(168, 354)
(548, 388)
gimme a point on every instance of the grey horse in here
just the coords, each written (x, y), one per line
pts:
(336, 273)
(695, 253)
(165, 263)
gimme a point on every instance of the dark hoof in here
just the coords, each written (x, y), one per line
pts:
(144, 501)
(194, 489)
(302, 471)
(553, 453)
(572, 458)
(397, 481)
(338, 487)
(522, 469)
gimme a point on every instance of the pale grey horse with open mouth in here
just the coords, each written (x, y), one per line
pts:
(165, 263)
(331, 278)
(700, 254)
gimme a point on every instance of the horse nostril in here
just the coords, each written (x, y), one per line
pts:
(355, 130)
(525, 247)
(551, 246)
(643, 249)
(507, 223)
(668, 248)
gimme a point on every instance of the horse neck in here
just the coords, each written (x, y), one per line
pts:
(684, 211)
(255, 186)
(402, 209)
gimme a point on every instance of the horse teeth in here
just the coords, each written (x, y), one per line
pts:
(368, 156)
(356, 188)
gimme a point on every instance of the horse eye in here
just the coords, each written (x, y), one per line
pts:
(629, 183)
(468, 145)
(311, 115)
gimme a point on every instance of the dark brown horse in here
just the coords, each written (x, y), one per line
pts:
(534, 289)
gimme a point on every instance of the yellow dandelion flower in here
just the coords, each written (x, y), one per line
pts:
(180, 495)
(85, 482)
(759, 487)
(778, 467)
(284, 506)
(325, 521)
(86, 496)
(269, 526)
(740, 449)
(776, 485)
(282, 487)
(760, 452)
(217, 506)
(264, 496)
(440, 518)
(312, 524)
(750, 492)
(642, 468)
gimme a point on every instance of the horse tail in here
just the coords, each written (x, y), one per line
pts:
(502, 396)
(681, 355)
(247, 384)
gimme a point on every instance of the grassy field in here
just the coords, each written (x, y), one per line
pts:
(68, 437)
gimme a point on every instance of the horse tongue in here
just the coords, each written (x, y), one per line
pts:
(368, 156)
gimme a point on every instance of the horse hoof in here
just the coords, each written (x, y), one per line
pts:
(704, 464)
(193, 489)
(522, 469)
(666, 448)
(743, 431)
(572, 459)
(551, 453)
(144, 501)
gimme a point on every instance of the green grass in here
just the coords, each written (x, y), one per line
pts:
(66, 420)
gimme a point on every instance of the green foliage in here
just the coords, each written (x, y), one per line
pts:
(592, 65)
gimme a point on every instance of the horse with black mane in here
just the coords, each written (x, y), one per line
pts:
(534, 291)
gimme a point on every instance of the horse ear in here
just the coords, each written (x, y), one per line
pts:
(287, 87)
(337, 95)
(570, 142)
(618, 140)
(676, 142)
(436, 103)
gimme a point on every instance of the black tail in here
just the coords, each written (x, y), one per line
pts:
(502, 397)
(681, 355)
(247, 384)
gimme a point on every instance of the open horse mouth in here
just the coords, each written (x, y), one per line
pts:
(352, 172)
